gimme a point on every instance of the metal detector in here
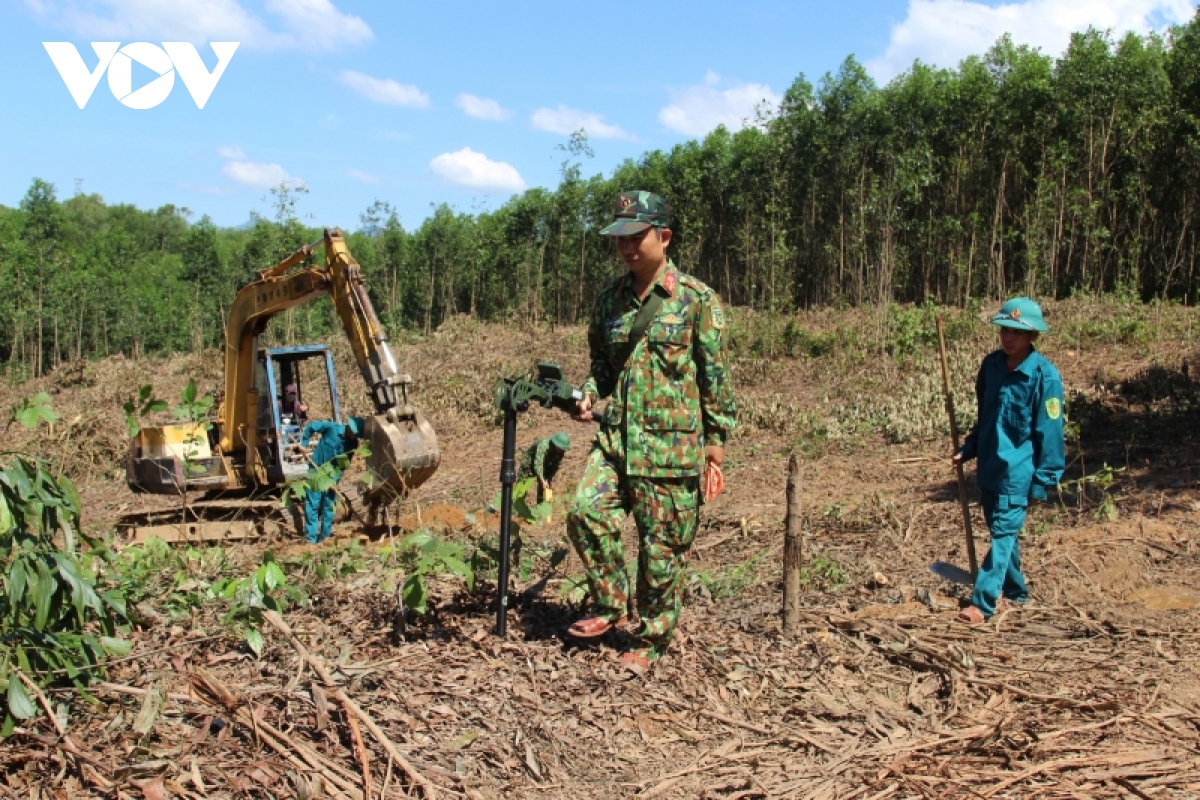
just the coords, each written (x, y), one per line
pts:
(545, 387)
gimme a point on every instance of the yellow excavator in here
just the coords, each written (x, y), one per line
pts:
(230, 471)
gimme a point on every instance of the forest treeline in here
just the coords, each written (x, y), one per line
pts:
(1015, 172)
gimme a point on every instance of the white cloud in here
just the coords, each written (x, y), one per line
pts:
(482, 108)
(365, 177)
(943, 32)
(258, 174)
(308, 24)
(321, 20)
(568, 120)
(231, 153)
(205, 189)
(385, 90)
(468, 168)
(696, 110)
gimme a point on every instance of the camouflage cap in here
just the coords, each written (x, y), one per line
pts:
(561, 440)
(636, 211)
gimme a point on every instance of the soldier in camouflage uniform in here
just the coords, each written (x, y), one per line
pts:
(670, 409)
(542, 461)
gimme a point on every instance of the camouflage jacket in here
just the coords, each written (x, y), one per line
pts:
(674, 395)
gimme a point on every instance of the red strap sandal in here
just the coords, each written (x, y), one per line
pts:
(593, 627)
(636, 661)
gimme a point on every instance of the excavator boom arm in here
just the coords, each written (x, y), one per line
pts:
(403, 445)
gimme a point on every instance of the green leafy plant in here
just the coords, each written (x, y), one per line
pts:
(522, 510)
(33, 410)
(165, 577)
(727, 581)
(823, 573)
(421, 555)
(267, 588)
(528, 557)
(1102, 481)
(143, 405)
(55, 617)
(193, 409)
(335, 560)
(321, 478)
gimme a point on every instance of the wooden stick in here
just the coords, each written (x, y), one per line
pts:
(735, 722)
(364, 757)
(793, 551)
(958, 468)
(351, 707)
(297, 757)
(214, 693)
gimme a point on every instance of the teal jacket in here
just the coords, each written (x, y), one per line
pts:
(332, 444)
(1018, 437)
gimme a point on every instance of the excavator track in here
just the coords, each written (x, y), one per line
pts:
(208, 521)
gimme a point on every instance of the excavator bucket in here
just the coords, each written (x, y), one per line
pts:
(404, 453)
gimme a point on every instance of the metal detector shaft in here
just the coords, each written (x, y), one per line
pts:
(546, 388)
(958, 468)
(508, 476)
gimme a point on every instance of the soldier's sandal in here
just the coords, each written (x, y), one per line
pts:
(636, 661)
(591, 627)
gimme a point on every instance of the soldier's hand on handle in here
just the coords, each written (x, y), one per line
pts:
(714, 454)
(583, 408)
(956, 459)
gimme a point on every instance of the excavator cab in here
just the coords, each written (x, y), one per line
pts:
(295, 384)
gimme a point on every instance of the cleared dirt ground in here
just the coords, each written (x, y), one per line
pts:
(1090, 691)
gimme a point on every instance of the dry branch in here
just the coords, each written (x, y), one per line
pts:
(318, 666)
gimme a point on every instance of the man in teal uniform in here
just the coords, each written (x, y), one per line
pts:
(336, 441)
(1018, 440)
(670, 410)
(542, 460)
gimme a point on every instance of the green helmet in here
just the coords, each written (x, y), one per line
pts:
(636, 211)
(1022, 314)
(561, 440)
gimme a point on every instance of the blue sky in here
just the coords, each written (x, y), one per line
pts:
(456, 102)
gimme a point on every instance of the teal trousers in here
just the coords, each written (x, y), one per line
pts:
(318, 514)
(1000, 572)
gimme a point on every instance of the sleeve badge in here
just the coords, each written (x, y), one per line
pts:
(718, 316)
(1053, 408)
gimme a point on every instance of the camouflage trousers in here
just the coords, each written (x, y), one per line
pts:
(667, 513)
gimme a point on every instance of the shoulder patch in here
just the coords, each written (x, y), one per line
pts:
(1053, 408)
(718, 315)
(669, 281)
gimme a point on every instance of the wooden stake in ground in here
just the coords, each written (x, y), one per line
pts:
(958, 468)
(793, 550)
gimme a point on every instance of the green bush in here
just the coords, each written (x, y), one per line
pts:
(56, 621)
